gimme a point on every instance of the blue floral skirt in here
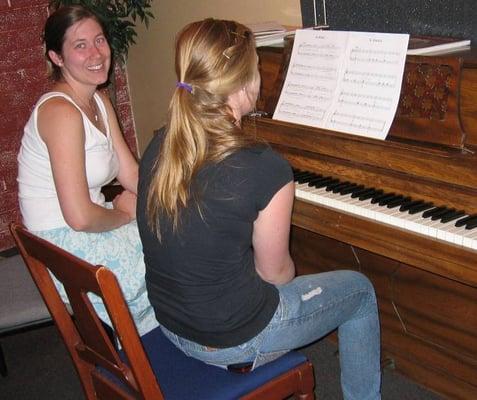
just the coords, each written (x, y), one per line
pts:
(121, 251)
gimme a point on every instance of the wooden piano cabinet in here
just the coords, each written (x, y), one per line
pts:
(426, 288)
(468, 101)
(428, 321)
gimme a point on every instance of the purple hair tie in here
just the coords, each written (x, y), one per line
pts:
(185, 86)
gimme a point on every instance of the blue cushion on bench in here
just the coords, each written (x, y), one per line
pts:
(181, 377)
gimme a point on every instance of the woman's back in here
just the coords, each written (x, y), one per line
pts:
(210, 259)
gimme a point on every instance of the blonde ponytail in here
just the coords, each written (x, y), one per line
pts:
(214, 58)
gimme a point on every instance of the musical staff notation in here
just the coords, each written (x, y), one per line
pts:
(345, 81)
(367, 101)
(374, 56)
(357, 122)
(328, 51)
(366, 78)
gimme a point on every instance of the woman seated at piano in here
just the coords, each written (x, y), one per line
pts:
(214, 214)
(72, 146)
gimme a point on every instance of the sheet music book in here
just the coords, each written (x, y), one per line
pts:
(344, 81)
(265, 28)
(269, 33)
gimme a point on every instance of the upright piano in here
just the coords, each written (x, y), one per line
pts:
(389, 208)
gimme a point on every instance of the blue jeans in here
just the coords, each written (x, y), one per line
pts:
(310, 307)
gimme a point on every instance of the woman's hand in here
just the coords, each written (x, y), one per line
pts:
(126, 202)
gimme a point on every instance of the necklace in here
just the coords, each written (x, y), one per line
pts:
(90, 109)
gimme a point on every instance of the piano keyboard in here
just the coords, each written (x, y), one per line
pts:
(450, 225)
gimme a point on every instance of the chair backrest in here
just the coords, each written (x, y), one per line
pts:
(83, 333)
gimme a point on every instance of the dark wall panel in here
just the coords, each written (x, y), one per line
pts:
(456, 18)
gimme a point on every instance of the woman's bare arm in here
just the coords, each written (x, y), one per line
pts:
(271, 234)
(128, 167)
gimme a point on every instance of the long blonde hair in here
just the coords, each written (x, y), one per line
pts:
(214, 58)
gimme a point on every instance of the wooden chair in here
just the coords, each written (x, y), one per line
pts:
(150, 367)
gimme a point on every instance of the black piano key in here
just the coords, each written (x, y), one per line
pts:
(332, 185)
(370, 195)
(365, 190)
(452, 216)
(350, 189)
(297, 173)
(420, 207)
(322, 182)
(300, 175)
(398, 201)
(385, 200)
(317, 178)
(429, 213)
(443, 213)
(409, 204)
(471, 224)
(380, 196)
(339, 188)
(306, 177)
(463, 221)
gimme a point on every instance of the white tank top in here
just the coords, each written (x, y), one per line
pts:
(37, 194)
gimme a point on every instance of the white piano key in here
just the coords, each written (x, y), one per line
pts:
(455, 234)
(470, 239)
(390, 216)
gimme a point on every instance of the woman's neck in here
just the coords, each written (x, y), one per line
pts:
(83, 92)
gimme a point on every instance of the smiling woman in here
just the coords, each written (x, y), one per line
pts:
(83, 63)
(71, 147)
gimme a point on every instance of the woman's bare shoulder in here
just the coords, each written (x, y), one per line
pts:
(57, 107)
(57, 115)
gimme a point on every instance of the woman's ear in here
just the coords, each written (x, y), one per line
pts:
(234, 101)
(55, 58)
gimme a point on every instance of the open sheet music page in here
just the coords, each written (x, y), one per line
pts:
(344, 81)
